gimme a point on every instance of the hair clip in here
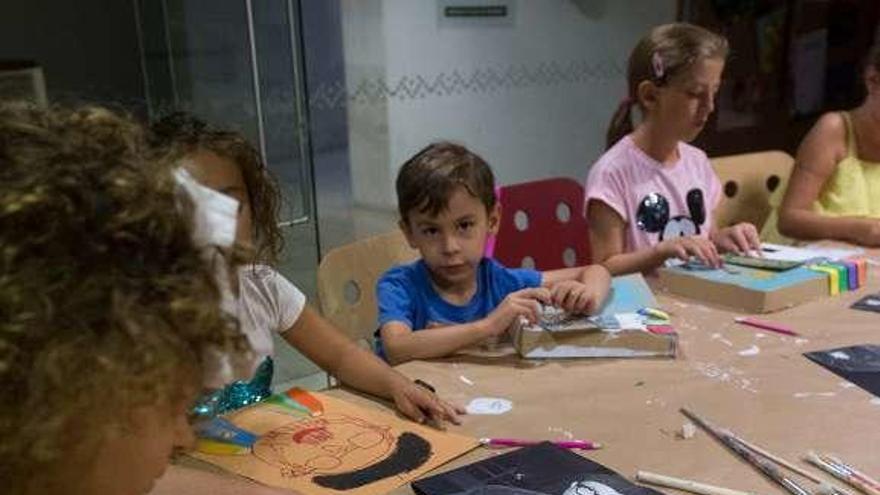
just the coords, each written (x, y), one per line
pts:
(657, 65)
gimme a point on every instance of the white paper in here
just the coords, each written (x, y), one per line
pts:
(630, 321)
(807, 253)
(489, 405)
(573, 351)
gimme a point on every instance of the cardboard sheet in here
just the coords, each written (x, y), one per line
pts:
(617, 331)
(749, 289)
(347, 449)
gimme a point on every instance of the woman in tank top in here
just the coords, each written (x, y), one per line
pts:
(834, 191)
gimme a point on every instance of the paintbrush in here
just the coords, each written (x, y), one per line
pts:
(686, 485)
(825, 488)
(844, 473)
(853, 471)
(764, 466)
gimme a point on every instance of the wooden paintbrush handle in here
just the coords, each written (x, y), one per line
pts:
(686, 485)
(769, 470)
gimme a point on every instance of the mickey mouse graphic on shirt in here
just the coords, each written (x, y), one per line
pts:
(652, 216)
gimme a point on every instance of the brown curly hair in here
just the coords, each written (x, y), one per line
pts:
(105, 303)
(180, 134)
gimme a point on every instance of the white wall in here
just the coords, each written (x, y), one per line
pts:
(363, 35)
(561, 73)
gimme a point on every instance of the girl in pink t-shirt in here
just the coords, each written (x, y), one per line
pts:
(650, 197)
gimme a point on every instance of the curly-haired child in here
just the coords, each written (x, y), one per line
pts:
(107, 306)
(226, 162)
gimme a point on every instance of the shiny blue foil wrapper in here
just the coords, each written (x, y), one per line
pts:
(237, 394)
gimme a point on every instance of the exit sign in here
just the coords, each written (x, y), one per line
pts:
(476, 12)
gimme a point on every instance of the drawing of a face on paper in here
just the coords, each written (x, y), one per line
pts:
(590, 488)
(330, 444)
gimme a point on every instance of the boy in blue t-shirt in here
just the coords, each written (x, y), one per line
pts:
(446, 201)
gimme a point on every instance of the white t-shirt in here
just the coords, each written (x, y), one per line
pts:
(267, 303)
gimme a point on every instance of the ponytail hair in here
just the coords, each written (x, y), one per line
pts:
(669, 50)
(621, 123)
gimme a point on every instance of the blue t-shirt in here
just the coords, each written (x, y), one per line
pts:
(405, 294)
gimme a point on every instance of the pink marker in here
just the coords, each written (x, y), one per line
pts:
(765, 325)
(565, 444)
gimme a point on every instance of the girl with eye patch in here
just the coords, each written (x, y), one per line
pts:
(268, 303)
(650, 197)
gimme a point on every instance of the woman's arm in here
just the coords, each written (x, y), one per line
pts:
(817, 158)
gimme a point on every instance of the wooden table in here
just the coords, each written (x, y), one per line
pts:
(776, 398)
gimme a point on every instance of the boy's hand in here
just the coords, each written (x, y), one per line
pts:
(685, 247)
(423, 406)
(584, 296)
(522, 303)
(741, 238)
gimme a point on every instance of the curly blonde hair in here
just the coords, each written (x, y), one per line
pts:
(105, 303)
(179, 134)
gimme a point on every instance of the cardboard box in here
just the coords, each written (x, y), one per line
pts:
(746, 289)
(589, 339)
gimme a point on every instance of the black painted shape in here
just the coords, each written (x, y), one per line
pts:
(653, 213)
(868, 303)
(696, 206)
(859, 364)
(542, 468)
(412, 452)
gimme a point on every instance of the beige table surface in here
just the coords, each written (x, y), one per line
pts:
(776, 398)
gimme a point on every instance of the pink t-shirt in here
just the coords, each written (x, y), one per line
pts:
(656, 201)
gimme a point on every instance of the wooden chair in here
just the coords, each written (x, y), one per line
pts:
(347, 281)
(747, 183)
(542, 225)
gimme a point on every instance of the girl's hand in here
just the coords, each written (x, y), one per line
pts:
(422, 405)
(584, 296)
(684, 248)
(741, 238)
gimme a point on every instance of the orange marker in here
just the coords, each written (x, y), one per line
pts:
(306, 399)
